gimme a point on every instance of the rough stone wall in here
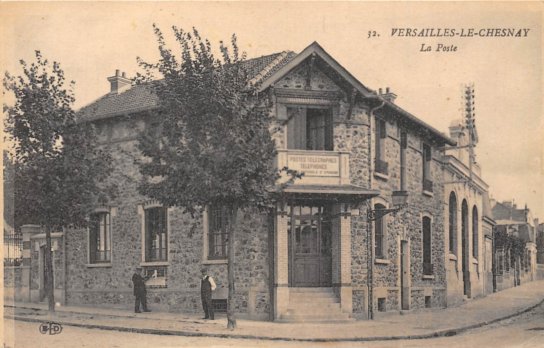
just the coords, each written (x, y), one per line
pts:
(405, 225)
(417, 299)
(12, 283)
(112, 285)
(297, 80)
(36, 267)
(12, 276)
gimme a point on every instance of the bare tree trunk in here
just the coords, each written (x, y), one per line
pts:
(231, 319)
(49, 280)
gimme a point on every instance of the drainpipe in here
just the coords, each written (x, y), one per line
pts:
(493, 260)
(370, 237)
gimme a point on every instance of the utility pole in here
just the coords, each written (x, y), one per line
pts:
(470, 114)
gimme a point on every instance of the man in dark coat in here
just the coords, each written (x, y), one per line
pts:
(140, 291)
(207, 285)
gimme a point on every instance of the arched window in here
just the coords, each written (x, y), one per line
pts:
(379, 235)
(453, 223)
(475, 232)
(426, 231)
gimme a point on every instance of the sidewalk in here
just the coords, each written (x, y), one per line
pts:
(414, 325)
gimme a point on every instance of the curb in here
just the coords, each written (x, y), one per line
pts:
(435, 334)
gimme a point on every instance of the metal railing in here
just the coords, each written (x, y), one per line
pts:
(13, 248)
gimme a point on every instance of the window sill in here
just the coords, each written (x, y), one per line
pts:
(215, 262)
(154, 263)
(453, 257)
(428, 277)
(381, 176)
(98, 265)
(159, 283)
(382, 261)
(428, 193)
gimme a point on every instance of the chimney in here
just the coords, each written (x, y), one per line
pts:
(119, 83)
(388, 95)
(456, 129)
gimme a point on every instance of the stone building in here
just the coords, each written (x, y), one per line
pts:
(358, 149)
(540, 244)
(464, 194)
(512, 270)
(488, 225)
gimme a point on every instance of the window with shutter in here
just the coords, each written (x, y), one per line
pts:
(380, 163)
(309, 128)
(100, 238)
(156, 237)
(380, 235)
(427, 254)
(218, 218)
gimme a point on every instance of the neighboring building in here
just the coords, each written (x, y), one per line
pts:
(464, 194)
(540, 244)
(307, 258)
(488, 225)
(540, 252)
(511, 270)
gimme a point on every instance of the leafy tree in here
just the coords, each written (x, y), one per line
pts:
(57, 167)
(214, 142)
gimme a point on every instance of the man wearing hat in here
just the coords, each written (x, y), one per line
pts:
(139, 291)
(207, 285)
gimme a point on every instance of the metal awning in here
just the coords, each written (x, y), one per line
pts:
(338, 193)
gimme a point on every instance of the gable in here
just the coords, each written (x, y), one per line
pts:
(298, 79)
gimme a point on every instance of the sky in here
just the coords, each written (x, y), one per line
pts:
(92, 39)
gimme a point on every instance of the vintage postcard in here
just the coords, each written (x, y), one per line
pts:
(272, 174)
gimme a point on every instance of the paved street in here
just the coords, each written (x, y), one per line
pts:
(416, 324)
(526, 330)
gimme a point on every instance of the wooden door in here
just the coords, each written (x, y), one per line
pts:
(405, 275)
(310, 246)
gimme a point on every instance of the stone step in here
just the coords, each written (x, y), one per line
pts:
(315, 317)
(332, 306)
(313, 305)
(313, 298)
(311, 293)
(310, 290)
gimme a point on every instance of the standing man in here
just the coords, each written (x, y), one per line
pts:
(207, 285)
(140, 291)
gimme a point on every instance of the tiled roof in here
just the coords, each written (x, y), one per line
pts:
(502, 211)
(256, 65)
(137, 98)
(141, 97)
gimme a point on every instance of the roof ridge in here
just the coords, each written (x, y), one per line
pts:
(269, 67)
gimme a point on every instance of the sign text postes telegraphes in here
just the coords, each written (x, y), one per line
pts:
(315, 165)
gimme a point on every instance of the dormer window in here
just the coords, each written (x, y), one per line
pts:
(309, 128)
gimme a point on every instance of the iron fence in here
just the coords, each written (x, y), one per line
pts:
(13, 248)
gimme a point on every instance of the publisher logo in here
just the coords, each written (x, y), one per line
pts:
(50, 328)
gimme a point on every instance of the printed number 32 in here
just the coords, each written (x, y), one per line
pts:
(372, 33)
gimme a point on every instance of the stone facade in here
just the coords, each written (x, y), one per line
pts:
(110, 283)
(264, 260)
(466, 190)
(404, 226)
